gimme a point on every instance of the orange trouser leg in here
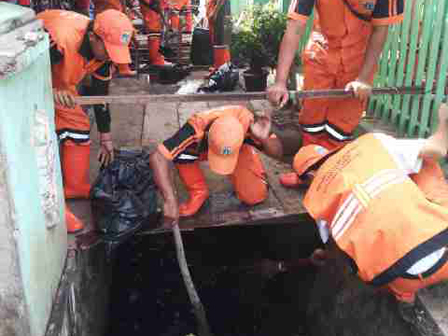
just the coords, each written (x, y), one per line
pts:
(194, 181)
(175, 22)
(431, 181)
(155, 57)
(249, 178)
(72, 223)
(75, 169)
(405, 289)
(72, 123)
(189, 19)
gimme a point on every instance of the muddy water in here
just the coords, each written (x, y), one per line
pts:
(149, 298)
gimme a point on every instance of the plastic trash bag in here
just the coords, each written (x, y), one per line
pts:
(124, 197)
(224, 79)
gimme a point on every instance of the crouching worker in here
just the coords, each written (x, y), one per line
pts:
(81, 47)
(368, 198)
(227, 138)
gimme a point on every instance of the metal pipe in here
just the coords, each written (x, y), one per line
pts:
(240, 96)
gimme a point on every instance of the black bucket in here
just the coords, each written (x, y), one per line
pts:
(255, 82)
(201, 48)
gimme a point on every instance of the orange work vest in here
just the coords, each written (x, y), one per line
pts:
(67, 30)
(375, 212)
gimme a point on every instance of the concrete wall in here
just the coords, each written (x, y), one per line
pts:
(33, 237)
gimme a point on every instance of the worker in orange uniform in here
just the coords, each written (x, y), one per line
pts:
(80, 47)
(153, 16)
(227, 138)
(175, 7)
(343, 52)
(218, 11)
(119, 5)
(368, 195)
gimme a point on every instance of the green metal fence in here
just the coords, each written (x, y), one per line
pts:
(416, 53)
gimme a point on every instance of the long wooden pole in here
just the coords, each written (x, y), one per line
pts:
(240, 96)
(198, 308)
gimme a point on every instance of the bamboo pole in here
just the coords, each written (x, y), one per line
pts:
(240, 96)
(198, 308)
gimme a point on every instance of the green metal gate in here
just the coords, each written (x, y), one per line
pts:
(416, 53)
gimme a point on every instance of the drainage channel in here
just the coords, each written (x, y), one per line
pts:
(229, 266)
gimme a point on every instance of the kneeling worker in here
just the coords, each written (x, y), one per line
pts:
(372, 199)
(227, 138)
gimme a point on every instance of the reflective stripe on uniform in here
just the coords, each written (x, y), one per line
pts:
(330, 129)
(71, 134)
(360, 197)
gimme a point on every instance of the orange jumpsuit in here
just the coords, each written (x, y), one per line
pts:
(153, 23)
(176, 6)
(189, 146)
(380, 218)
(334, 57)
(72, 59)
(68, 37)
(221, 52)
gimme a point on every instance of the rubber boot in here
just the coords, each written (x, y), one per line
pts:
(75, 169)
(125, 70)
(194, 181)
(221, 55)
(155, 57)
(290, 180)
(72, 223)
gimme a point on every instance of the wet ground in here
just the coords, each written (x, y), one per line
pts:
(149, 297)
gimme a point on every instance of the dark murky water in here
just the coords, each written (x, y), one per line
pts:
(149, 297)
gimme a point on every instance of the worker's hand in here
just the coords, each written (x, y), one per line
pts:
(170, 213)
(106, 153)
(361, 90)
(261, 128)
(64, 98)
(278, 95)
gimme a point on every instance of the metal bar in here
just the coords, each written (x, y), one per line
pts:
(176, 98)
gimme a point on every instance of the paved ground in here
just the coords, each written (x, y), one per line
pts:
(136, 125)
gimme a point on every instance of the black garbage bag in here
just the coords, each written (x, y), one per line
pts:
(124, 197)
(173, 74)
(201, 52)
(224, 79)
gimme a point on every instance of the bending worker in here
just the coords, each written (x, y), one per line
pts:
(373, 192)
(227, 138)
(343, 52)
(81, 47)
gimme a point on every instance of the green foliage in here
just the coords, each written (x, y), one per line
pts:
(257, 39)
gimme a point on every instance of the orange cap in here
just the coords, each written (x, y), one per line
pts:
(115, 29)
(307, 156)
(225, 138)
